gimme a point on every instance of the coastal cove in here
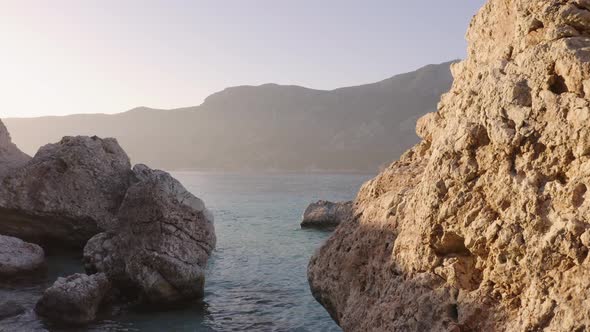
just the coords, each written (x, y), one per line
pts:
(256, 278)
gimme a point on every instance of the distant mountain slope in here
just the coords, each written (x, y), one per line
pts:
(265, 127)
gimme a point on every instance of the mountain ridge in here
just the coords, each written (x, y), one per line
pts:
(261, 124)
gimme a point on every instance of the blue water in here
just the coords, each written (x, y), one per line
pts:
(256, 279)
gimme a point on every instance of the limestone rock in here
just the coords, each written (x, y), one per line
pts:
(19, 259)
(483, 225)
(161, 244)
(67, 193)
(10, 156)
(74, 300)
(324, 214)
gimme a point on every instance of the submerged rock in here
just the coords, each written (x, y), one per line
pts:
(10, 309)
(324, 214)
(10, 156)
(161, 244)
(19, 259)
(67, 193)
(74, 300)
(483, 226)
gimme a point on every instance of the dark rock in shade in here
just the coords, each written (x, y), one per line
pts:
(19, 259)
(10, 156)
(324, 214)
(67, 193)
(161, 244)
(74, 300)
(10, 309)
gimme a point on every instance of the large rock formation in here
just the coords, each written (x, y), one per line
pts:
(19, 259)
(324, 214)
(153, 238)
(161, 244)
(10, 156)
(483, 225)
(74, 300)
(67, 193)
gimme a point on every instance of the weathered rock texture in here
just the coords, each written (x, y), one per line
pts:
(483, 226)
(67, 193)
(161, 244)
(74, 300)
(10, 156)
(324, 214)
(18, 258)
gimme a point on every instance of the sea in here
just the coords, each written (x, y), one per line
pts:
(256, 278)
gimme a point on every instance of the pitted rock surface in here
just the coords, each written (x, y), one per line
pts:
(483, 226)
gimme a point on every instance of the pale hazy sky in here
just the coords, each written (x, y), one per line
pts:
(107, 56)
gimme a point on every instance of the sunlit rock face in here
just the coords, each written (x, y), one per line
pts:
(483, 225)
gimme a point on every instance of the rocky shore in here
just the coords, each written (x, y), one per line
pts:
(145, 239)
(483, 225)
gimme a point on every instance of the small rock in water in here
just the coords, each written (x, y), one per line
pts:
(74, 300)
(19, 259)
(67, 193)
(324, 214)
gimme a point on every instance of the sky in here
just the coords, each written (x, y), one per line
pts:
(61, 57)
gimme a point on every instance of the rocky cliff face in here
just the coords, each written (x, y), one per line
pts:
(483, 225)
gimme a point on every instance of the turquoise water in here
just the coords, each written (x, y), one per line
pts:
(256, 277)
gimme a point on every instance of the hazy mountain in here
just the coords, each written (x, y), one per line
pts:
(264, 127)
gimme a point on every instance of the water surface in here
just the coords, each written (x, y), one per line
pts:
(256, 279)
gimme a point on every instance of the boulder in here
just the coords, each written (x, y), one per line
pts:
(74, 300)
(161, 244)
(324, 214)
(67, 193)
(19, 259)
(10, 156)
(483, 226)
